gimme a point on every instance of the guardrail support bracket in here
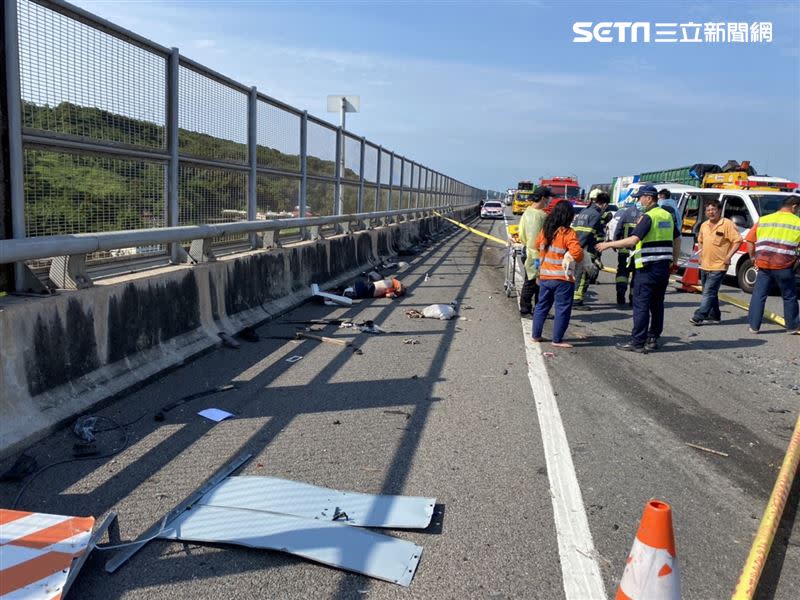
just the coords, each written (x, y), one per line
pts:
(270, 239)
(200, 251)
(314, 233)
(69, 272)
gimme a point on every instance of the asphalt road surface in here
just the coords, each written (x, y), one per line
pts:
(454, 416)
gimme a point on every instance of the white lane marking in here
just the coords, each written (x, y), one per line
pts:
(580, 571)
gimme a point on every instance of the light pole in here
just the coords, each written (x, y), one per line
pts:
(342, 105)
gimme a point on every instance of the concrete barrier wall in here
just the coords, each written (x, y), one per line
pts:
(63, 354)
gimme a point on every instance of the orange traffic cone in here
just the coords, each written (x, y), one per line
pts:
(651, 571)
(691, 275)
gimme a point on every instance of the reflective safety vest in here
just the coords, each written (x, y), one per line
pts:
(657, 243)
(777, 240)
(552, 258)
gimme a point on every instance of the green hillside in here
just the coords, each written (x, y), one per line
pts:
(81, 192)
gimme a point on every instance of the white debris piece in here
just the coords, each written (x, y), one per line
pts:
(439, 311)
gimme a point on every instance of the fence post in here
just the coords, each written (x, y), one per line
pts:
(402, 180)
(391, 181)
(427, 196)
(252, 156)
(16, 189)
(378, 180)
(337, 193)
(173, 171)
(302, 201)
(360, 204)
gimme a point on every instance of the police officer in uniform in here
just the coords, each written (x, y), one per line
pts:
(657, 245)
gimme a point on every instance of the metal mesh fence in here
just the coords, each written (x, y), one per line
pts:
(277, 196)
(278, 135)
(320, 196)
(386, 165)
(349, 198)
(86, 81)
(369, 198)
(383, 200)
(210, 195)
(396, 173)
(79, 81)
(321, 149)
(352, 158)
(69, 193)
(212, 118)
(371, 163)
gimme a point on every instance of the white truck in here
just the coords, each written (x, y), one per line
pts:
(743, 207)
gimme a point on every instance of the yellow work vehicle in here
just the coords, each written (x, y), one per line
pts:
(742, 180)
(523, 197)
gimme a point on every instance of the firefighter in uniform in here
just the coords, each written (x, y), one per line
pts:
(626, 220)
(590, 227)
(657, 241)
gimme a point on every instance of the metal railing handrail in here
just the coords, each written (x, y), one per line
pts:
(19, 250)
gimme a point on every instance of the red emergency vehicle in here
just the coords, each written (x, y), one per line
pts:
(563, 188)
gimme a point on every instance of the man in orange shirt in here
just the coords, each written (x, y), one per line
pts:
(718, 241)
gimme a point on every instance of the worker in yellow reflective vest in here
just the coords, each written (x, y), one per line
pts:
(657, 244)
(774, 244)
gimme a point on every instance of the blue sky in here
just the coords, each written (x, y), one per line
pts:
(496, 92)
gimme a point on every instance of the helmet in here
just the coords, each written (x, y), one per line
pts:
(645, 190)
(594, 193)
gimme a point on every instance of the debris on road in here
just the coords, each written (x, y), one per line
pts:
(293, 359)
(340, 300)
(22, 467)
(215, 414)
(195, 396)
(413, 313)
(321, 338)
(443, 312)
(370, 327)
(549, 354)
(249, 334)
(778, 410)
(398, 412)
(704, 449)
(320, 524)
(411, 341)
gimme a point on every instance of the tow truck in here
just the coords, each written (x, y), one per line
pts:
(523, 197)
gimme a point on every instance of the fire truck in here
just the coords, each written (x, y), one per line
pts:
(563, 188)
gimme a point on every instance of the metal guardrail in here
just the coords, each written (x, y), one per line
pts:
(151, 139)
(68, 268)
(85, 243)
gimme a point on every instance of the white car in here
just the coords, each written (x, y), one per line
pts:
(492, 209)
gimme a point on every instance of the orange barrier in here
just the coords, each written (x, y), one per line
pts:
(651, 571)
(690, 280)
(38, 550)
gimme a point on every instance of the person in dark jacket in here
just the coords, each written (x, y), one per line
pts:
(590, 227)
(626, 219)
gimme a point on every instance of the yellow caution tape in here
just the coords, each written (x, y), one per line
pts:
(769, 315)
(748, 580)
(473, 230)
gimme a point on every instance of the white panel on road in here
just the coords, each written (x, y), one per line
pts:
(313, 502)
(326, 542)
